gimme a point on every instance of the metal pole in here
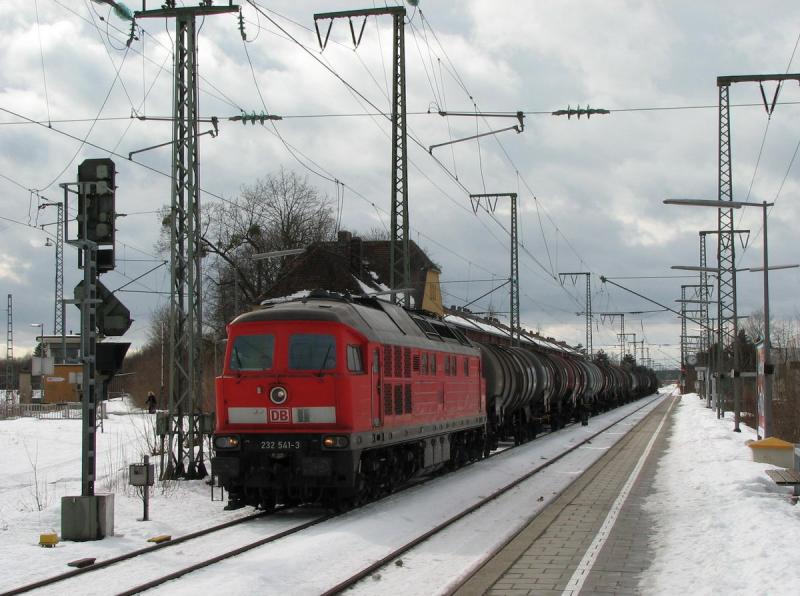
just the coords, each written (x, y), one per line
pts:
(9, 349)
(589, 315)
(726, 256)
(515, 324)
(683, 339)
(768, 430)
(399, 257)
(88, 358)
(514, 278)
(161, 392)
(146, 487)
(708, 335)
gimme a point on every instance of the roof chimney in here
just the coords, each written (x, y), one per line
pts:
(357, 256)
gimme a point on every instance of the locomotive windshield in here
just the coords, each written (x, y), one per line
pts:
(312, 351)
(252, 352)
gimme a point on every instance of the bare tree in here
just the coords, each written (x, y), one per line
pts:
(376, 233)
(278, 212)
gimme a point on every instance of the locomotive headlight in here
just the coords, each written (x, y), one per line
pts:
(226, 442)
(335, 442)
(278, 395)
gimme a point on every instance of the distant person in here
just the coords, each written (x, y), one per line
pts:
(151, 402)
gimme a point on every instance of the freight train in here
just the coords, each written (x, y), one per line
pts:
(337, 400)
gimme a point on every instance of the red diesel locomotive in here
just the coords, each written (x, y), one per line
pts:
(336, 400)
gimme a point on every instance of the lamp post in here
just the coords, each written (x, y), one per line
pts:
(43, 354)
(767, 364)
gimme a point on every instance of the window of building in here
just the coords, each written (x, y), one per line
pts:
(252, 352)
(312, 351)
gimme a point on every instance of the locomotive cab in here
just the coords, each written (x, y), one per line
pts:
(288, 398)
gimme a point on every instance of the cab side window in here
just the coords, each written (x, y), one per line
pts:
(354, 361)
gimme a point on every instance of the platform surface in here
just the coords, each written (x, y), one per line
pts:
(575, 546)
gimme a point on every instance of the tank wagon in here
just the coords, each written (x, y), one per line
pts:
(338, 399)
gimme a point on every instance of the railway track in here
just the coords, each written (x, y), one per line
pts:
(397, 554)
(277, 532)
(57, 581)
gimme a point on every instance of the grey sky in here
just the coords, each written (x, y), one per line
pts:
(598, 183)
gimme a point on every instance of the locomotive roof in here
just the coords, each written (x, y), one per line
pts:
(377, 320)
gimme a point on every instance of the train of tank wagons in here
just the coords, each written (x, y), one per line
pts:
(338, 400)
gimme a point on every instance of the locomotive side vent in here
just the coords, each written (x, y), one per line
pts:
(398, 361)
(398, 400)
(387, 360)
(415, 363)
(408, 398)
(407, 363)
(387, 399)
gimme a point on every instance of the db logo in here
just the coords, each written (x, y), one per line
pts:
(279, 415)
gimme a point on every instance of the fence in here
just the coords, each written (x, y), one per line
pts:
(41, 411)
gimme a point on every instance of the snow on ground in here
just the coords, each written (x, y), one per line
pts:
(42, 462)
(323, 556)
(722, 526)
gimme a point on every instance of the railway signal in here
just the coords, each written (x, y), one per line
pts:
(91, 516)
(96, 204)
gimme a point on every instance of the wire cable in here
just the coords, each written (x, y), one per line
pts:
(41, 56)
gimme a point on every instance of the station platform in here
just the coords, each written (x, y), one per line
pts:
(593, 539)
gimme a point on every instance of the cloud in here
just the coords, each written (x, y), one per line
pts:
(599, 183)
(12, 269)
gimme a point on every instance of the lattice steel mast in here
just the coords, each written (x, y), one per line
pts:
(491, 200)
(399, 260)
(9, 350)
(185, 444)
(58, 301)
(588, 311)
(726, 253)
(726, 257)
(58, 306)
(705, 342)
(683, 333)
